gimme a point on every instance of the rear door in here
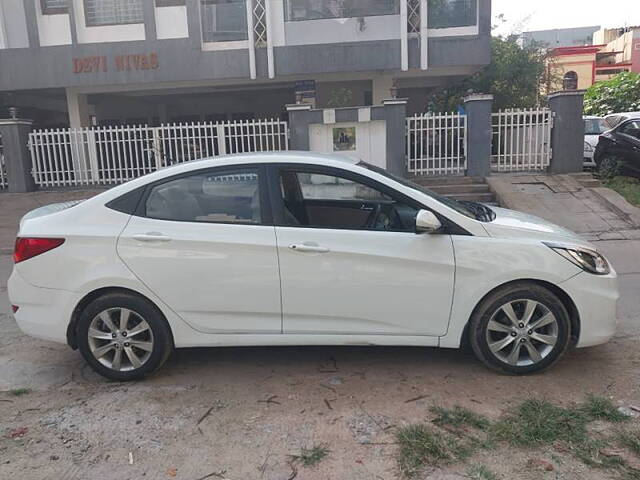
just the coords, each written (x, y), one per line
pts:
(205, 244)
(629, 135)
(351, 262)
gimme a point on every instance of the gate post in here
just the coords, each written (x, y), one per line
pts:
(479, 134)
(300, 117)
(17, 158)
(395, 116)
(567, 137)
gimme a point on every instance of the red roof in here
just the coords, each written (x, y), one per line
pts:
(561, 51)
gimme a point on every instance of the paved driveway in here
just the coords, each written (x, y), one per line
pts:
(238, 413)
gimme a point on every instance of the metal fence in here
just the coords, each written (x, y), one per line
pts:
(521, 140)
(111, 155)
(437, 144)
(3, 169)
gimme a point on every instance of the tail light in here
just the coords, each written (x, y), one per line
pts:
(27, 248)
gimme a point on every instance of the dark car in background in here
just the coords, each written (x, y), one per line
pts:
(619, 147)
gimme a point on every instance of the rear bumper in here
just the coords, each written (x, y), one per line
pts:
(595, 298)
(589, 159)
(43, 312)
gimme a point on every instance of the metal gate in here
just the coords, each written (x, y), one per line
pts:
(111, 155)
(437, 144)
(521, 140)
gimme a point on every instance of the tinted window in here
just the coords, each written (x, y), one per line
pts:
(229, 197)
(631, 128)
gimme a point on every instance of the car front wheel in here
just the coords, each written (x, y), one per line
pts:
(520, 329)
(123, 337)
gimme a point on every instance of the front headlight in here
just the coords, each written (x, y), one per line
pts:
(588, 147)
(585, 258)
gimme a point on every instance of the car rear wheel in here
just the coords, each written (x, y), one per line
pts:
(123, 337)
(520, 329)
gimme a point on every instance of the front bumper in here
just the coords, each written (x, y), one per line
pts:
(595, 297)
(589, 159)
(43, 312)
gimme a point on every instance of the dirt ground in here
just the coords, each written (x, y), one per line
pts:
(238, 413)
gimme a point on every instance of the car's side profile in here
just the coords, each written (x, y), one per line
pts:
(302, 249)
(619, 147)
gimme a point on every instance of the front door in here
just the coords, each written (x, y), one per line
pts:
(204, 244)
(351, 262)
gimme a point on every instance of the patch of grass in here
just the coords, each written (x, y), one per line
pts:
(600, 408)
(420, 446)
(458, 417)
(311, 456)
(628, 187)
(480, 472)
(18, 392)
(630, 440)
(539, 422)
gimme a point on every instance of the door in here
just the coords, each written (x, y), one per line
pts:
(351, 262)
(629, 135)
(205, 244)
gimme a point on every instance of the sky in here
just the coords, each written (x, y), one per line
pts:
(526, 15)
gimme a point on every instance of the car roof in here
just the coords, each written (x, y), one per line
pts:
(591, 117)
(286, 157)
(625, 115)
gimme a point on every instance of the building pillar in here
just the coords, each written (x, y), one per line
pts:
(194, 23)
(149, 16)
(15, 140)
(71, 9)
(395, 117)
(567, 137)
(300, 117)
(382, 86)
(78, 108)
(31, 17)
(479, 134)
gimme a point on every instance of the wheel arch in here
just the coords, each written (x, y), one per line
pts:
(72, 340)
(567, 301)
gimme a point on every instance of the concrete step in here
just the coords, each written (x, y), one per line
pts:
(590, 182)
(432, 181)
(474, 197)
(464, 188)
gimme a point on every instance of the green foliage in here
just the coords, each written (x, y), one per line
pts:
(600, 408)
(311, 456)
(514, 77)
(631, 440)
(420, 446)
(480, 472)
(610, 167)
(620, 94)
(628, 187)
(458, 417)
(18, 392)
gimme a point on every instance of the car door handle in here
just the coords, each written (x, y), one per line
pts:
(308, 248)
(151, 237)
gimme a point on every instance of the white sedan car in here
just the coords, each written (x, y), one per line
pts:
(302, 249)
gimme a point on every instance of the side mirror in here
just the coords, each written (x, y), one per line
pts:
(427, 222)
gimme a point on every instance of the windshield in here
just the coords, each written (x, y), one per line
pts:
(594, 126)
(474, 210)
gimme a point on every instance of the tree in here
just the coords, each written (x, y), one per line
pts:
(620, 94)
(514, 77)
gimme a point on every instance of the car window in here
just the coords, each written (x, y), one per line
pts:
(594, 126)
(631, 128)
(229, 197)
(333, 201)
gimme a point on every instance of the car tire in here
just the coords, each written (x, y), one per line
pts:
(513, 323)
(123, 337)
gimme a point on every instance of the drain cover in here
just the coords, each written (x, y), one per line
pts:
(532, 188)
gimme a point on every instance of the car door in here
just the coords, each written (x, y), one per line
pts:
(629, 135)
(205, 244)
(350, 260)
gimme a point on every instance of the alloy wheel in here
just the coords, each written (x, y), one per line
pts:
(522, 332)
(120, 339)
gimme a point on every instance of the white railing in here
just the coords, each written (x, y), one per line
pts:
(3, 169)
(111, 155)
(521, 140)
(437, 144)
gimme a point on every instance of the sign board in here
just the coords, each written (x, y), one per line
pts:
(119, 63)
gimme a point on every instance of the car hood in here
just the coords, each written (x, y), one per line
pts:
(513, 224)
